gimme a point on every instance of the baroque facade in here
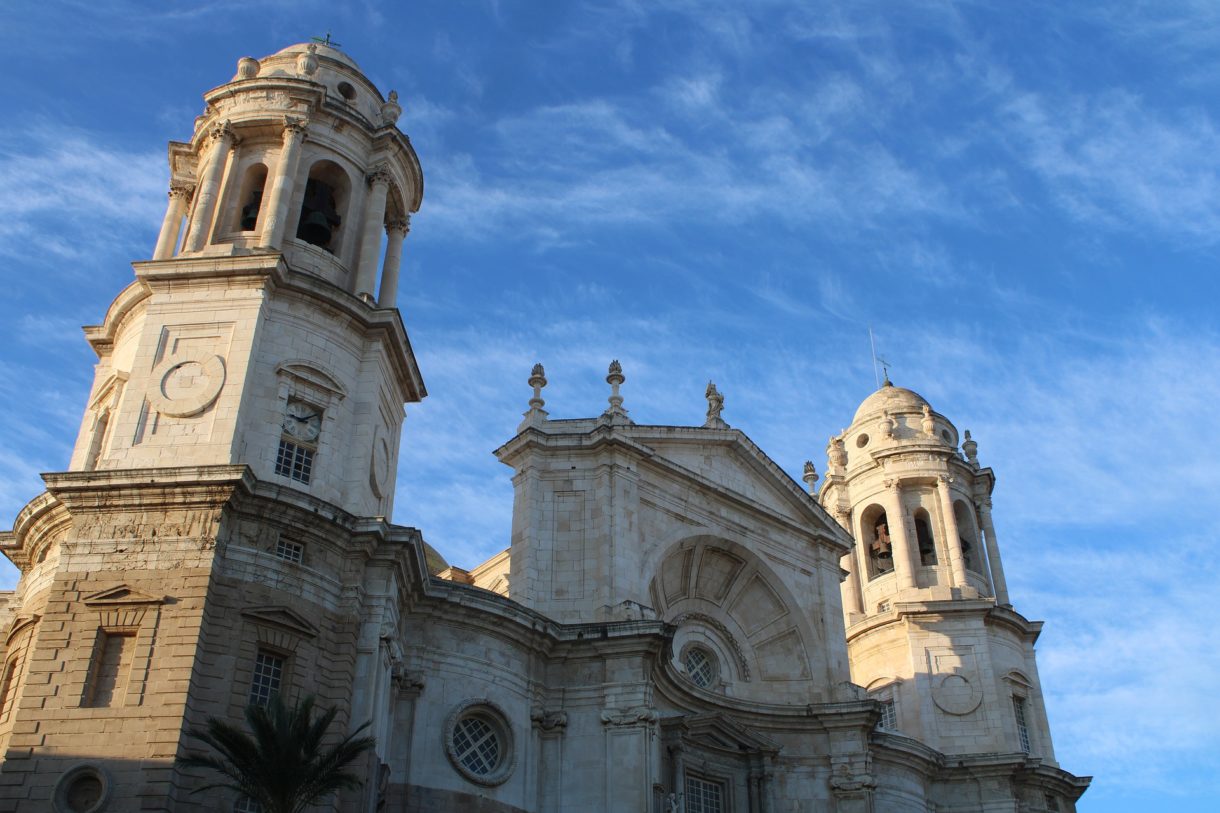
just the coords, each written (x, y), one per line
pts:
(676, 625)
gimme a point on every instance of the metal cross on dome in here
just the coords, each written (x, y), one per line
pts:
(327, 41)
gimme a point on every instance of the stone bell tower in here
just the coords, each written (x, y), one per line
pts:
(930, 629)
(220, 533)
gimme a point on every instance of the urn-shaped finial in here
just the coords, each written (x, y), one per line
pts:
(391, 110)
(887, 424)
(926, 423)
(971, 448)
(247, 68)
(307, 63)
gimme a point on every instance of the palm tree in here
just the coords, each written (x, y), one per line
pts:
(283, 767)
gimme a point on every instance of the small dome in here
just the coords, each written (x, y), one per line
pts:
(891, 398)
(436, 562)
(323, 50)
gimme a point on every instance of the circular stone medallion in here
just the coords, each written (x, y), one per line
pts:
(185, 385)
(956, 694)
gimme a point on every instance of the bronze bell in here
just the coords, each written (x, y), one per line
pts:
(249, 212)
(315, 229)
(882, 549)
(318, 215)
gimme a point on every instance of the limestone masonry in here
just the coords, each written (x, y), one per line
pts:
(676, 625)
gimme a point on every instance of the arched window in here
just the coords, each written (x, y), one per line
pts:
(967, 529)
(923, 535)
(322, 206)
(250, 198)
(879, 548)
(100, 428)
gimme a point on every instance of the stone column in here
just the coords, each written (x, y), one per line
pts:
(284, 183)
(904, 562)
(957, 559)
(408, 686)
(370, 243)
(851, 584)
(550, 726)
(167, 240)
(205, 201)
(396, 232)
(993, 553)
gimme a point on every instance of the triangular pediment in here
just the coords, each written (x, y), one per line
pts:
(719, 733)
(283, 617)
(121, 595)
(732, 464)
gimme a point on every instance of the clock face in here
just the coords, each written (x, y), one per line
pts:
(302, 421)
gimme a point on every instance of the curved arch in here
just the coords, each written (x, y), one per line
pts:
(924, 537)
(968, 532)
(719, 591)
(311, 373)
(324, 218)
(248, 206)
(875, 535)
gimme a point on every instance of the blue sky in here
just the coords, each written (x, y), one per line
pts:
(1021, 199)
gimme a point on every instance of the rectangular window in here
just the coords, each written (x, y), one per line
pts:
(294, 461)
(704, 796)
(1052, 804)
(247, 805)
(290, 551)
(1018, 710)
(889, 716)
(268, 676)
(111, 669)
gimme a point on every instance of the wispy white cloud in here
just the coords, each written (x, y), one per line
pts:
(61, 185)
(1115, 160)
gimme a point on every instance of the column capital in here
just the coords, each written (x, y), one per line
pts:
(222, 131)
(945, 479)
(891, 483)
(294, 126)
(182, 191)
(399, 225)
(379, 174)
(983, 504)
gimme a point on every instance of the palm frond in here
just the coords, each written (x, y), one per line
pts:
(280, 762)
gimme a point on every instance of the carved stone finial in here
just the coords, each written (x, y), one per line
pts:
(926, 423)
(615, 378)
(537, 380)
(810, 476)
(836, 451)
(887, 424)
(971, 448)
(307, 63)
(247, 68)
(715, 405)
(535, 415)
(391, 110)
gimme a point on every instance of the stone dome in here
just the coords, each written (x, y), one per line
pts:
(891, 398)
(322, 50)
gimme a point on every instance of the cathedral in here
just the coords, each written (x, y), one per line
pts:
(676, 624)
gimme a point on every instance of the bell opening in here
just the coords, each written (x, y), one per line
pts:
(319, 216)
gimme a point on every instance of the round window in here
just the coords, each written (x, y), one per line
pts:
(861, 441)
(479, 743)
(700, 667)
(83, 789)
